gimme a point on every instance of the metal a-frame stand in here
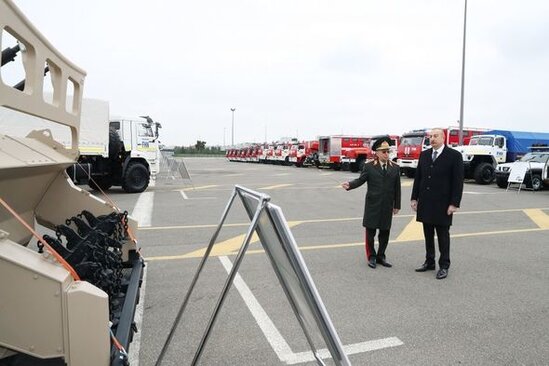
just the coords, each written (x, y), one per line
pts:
(517, 175)
(299, 289)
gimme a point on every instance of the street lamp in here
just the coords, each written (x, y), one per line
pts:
(462, 77)
(232, 128)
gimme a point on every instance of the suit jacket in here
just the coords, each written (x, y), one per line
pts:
(382, 196)
(438, 185)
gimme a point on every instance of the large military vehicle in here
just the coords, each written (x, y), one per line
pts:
(70, 270)
(117, 151)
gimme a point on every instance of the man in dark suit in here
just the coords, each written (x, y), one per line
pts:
(382, 199)
(436, 195)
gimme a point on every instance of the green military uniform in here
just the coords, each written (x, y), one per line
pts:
(382, 196)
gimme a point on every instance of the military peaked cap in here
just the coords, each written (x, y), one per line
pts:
(382, 143)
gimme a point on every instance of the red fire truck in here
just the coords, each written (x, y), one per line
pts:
(414, 142)
(343, 151)
(311, 153)
(302, 153)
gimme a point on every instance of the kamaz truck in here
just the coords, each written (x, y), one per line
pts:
(114, 151)
(70, 270)
(484, 152)
(128, 155)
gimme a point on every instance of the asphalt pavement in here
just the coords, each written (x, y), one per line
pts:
(493, 309)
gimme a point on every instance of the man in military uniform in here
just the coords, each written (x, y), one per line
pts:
(382, 199)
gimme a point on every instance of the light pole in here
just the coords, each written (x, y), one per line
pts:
(232, 128)
(462, 77)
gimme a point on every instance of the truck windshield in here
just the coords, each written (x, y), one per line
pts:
(411, 140)
(482, 140)
(145, 130)
(535, 158)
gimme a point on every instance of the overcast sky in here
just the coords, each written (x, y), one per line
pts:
(306, 68)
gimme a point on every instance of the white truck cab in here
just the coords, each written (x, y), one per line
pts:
(140, 139)
(482, 155)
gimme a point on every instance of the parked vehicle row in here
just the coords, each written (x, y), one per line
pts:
(486, 153)
(290, 152)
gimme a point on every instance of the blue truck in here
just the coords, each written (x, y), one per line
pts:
(486, 151)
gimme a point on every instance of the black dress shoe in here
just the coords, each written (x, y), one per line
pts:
(426, 267)
(384, 263)
(442, 273)
(372, 262)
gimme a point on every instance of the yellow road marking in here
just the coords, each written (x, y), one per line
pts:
(207, 226)
(539, 217)
(346, 245)
(412, 231)
(197, 188)
(276, 186)
(227, 247)
(181, 227)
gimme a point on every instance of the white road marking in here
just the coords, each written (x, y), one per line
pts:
(277, 341)
(184, 195)
(350, 349)
(142, 212)
(133, 354)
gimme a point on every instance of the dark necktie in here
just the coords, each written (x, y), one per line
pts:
(384, 168)
(435, 153)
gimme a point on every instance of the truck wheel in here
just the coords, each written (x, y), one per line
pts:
(410, 173)
(100, 183)
(484, 173)
(536, 182)
(136, 178)
(501, 182)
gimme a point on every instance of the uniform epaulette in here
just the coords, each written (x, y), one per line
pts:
(392, 163)
(371, 161)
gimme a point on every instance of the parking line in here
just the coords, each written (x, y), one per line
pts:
(346, 245)
(412, 231)
(539, 217)
(197, 188)
(184, 195)
(459, 213)
(142, 212)
(277, 341)
(349, 349)
(226, 247)
(276, 186)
